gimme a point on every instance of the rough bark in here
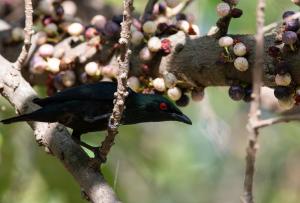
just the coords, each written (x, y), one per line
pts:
(196, 61)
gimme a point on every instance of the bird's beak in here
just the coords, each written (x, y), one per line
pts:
(182, 118)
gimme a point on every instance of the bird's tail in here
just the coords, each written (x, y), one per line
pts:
(25, 117)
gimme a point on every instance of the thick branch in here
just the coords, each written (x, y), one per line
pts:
(55, 138)
(197, 61)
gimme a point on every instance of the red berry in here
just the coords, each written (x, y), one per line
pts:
(166, 46)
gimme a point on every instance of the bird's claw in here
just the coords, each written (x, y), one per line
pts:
(97, 155)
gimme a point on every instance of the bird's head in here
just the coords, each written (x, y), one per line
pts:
(151, 108)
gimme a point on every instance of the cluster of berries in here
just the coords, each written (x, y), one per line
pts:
(287, 40)
(236, 53)
(55, 23)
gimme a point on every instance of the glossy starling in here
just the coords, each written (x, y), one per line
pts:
(87, 108)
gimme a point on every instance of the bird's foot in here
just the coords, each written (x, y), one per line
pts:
(96, 152)
(98, 158)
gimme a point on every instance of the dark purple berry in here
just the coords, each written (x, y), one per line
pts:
(117, 19)
(172, 29)
(292, 25)
(59, 10)
(162, 27)
(289, 37)
(181, 16)
(162, 8)
(248, 92)
(236, 12)
(236, 92)
(282, 68)
(282, 92)
(274, 51)
(183, 101)
(112, 29)
(287, 14)
(57, 82)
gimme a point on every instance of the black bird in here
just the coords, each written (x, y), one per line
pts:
(87, 108)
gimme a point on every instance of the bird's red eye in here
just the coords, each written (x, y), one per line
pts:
(163, 106)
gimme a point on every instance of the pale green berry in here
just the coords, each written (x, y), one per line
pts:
(223, 9)
(283, 80)
(99, 21)
(149, 27)
(133, 83)
(239, 49)
(170, 79)
(53, 65)
(70, 8)
(287, 104)
(137, 38)
(46, 50)
(241, 64)
(145, 54)
(68, 78)
(159, 84)
(75, 29)
(17, 34)
(174, 93)
(46, 6)
(92, 69)
(154, 44)
(225, 41)
(51, 29)
(37, 65)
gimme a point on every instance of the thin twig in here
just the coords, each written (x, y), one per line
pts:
(28, 31)
(123, 60)
(178, 9)
(148, 10)
(254, 113)
(272, 121)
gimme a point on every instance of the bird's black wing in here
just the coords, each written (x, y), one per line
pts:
(98, 92)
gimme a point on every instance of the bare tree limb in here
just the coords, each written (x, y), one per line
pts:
(121, 94)
(254, 113)
(28, 31)
(272, 121)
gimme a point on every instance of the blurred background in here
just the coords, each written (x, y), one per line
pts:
(167, 162)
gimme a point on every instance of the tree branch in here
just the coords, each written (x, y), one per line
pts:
(254, 113)
(28, 31)
(121, 94)
(178, 9)
(54, 137)
(148, 9)
(272, 121)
